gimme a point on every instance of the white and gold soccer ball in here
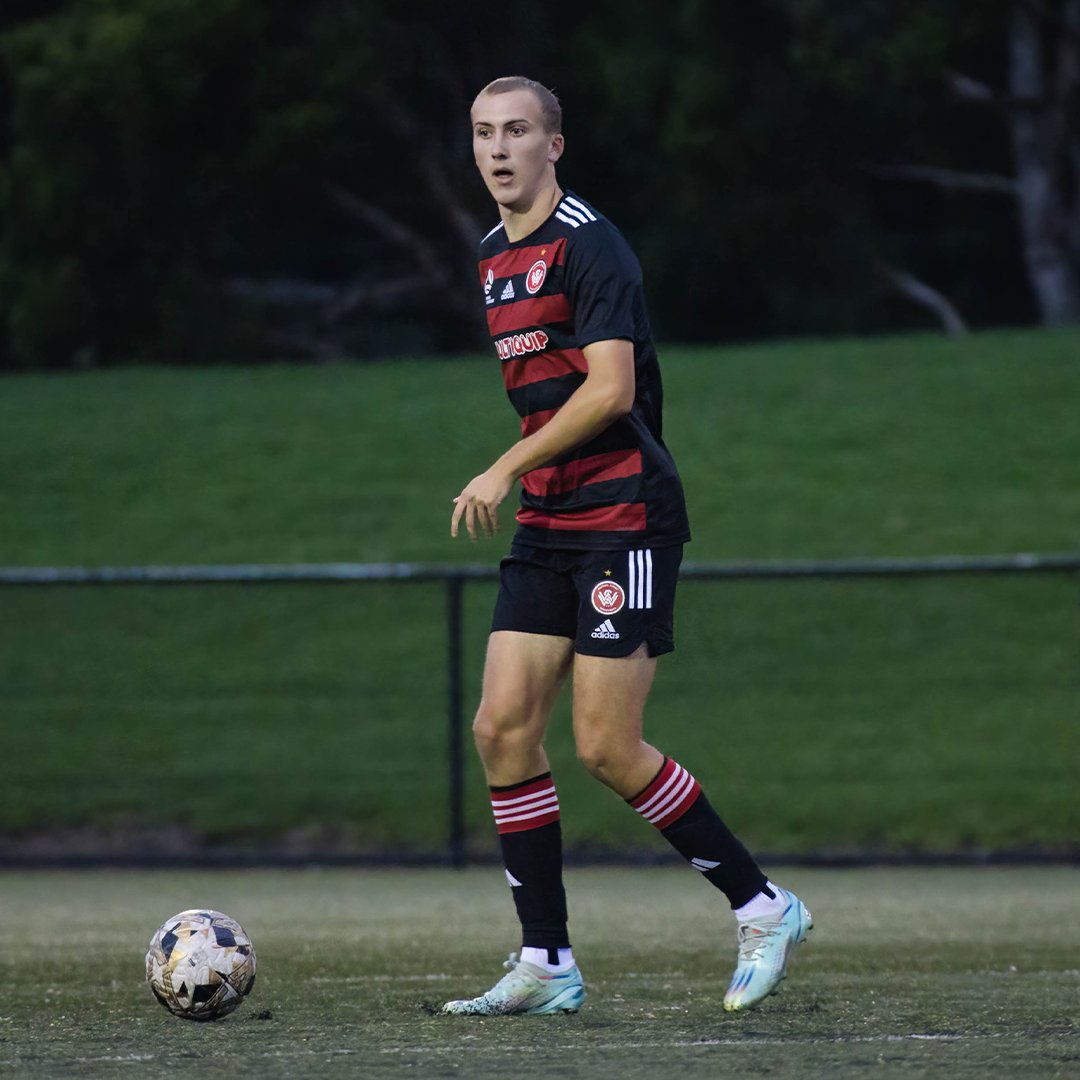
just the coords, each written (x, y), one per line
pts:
(200, 964)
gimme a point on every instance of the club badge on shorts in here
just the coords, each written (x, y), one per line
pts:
(608, 597)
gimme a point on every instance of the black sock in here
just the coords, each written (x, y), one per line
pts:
(676, 805)
(527, 817)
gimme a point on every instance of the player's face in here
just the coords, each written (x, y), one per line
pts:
(515, 154)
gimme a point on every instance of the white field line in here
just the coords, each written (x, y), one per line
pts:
(345, 980)
(658, 1044)
(139, 1059)
(749, 1041)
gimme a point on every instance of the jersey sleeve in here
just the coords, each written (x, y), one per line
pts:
(603, 285)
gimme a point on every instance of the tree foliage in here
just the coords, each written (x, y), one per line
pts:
(239, 179)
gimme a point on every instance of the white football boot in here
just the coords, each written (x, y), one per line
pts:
(765, 945)
(525, 989)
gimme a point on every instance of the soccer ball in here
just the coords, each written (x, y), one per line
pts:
(200, 964)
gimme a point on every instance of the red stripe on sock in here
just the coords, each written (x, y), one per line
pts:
(526, 806)
(668, 797)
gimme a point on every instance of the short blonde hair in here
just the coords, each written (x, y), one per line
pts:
(550, 108)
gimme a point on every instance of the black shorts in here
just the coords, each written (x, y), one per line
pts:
(608, 602)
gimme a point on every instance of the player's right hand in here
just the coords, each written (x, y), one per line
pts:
(478, 505)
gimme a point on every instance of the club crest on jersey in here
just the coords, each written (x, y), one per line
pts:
(608, 597)
(488, 282)
(535, 277)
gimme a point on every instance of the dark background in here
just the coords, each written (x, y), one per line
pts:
(199, 181)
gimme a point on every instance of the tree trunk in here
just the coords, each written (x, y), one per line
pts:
(1048, 189)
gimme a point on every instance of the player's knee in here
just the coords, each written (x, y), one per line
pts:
(611, 760)
(488, 733)
(499, 732)
(593, 759)
(598, 759)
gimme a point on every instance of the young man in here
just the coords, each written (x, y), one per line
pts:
(588, 589)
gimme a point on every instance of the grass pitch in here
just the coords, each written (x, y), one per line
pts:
(966, 973)
(931, 715)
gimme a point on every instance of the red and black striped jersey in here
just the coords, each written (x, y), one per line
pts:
(572, 282)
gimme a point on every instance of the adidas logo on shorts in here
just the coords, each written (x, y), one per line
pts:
(606, 630)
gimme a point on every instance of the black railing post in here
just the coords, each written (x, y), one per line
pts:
(456, 716)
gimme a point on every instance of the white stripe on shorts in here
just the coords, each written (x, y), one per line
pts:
(640, 578)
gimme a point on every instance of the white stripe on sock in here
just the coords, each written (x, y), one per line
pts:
(661, 796)
(529, 810)
(703, 864)
(499, 803)
(686, 782)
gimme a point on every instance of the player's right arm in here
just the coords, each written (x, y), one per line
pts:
(606, 394)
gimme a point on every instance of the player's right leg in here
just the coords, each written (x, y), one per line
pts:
(523, 674)
(527, 989)
(522, 677)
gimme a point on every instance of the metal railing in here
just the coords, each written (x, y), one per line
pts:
(455, 578)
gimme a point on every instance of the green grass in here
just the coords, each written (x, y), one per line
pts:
(911, 446)
(903, 715)
(274, 704)
(963, 973)
(925, 714)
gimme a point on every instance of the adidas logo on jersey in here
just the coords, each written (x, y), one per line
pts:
(508, 292)
(606, 630)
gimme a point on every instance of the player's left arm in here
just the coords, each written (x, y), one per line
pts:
(606, 395)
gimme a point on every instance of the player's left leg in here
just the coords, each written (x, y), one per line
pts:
(609, 701)
(609, 704)
(614, 667)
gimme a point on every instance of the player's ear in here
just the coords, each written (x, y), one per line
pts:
(555, 152)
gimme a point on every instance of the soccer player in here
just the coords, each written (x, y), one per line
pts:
(588, 589)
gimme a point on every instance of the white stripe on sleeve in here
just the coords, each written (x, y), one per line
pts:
(579, 205)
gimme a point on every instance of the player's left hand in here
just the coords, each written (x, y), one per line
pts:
(478, 505)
